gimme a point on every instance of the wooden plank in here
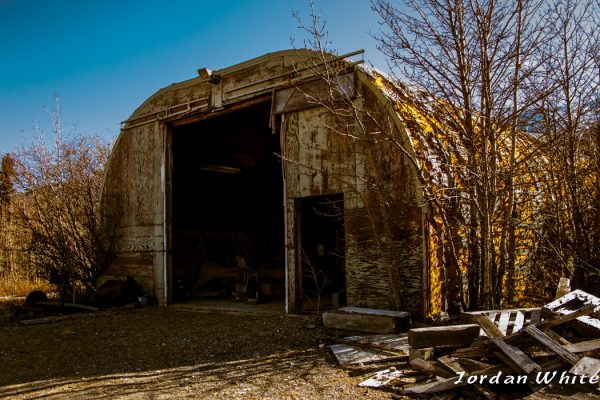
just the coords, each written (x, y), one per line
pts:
(553, 345)
(430, 368)
(503, 322)
(519, 361)
(370, 322)
(451, 335)
(382, 378)
(450, 383)
(396, 342)
(399, 346)
(490, 329)
(519, 321)
(425, 353)
(549, 322)
(453, 365)
(555, 336)
(371, 311)
(568, 315)
(370, 349)
(590, 326)
(563, 288)
(574, 295)
(587, 367)
(347, 355)
(475, 350)
(471, 365)
(582, 347)
(438, 386)
(535, 316)
(468, 317)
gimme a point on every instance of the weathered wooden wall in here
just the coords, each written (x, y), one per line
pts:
(318, 162)
(133, 187)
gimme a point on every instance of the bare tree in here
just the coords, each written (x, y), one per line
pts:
(479, 59)
(567, 123)
(58, 193)
(472, 81)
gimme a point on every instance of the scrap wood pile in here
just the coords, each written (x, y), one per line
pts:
(547, 353)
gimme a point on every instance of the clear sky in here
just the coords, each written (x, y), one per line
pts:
(104, 58)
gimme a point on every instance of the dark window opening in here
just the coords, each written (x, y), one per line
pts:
(227, 212)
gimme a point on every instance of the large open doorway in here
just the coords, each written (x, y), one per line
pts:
(227, 208)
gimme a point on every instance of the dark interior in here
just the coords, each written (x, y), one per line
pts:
(322, 251)
(227, 207)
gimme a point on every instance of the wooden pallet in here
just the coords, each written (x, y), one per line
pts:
(507, 321)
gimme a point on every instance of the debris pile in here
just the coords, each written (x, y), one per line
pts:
(551, 352)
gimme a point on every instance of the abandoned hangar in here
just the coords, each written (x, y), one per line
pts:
(250, 178)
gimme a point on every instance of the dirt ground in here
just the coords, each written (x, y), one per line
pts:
(164, 353)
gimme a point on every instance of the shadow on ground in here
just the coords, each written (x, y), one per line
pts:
(157, 353)
(204, 380)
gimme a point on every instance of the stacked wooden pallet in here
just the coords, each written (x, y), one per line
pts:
(547, 353)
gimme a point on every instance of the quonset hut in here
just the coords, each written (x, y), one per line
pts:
(249, 178)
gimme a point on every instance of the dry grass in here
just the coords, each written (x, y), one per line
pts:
(10, 286)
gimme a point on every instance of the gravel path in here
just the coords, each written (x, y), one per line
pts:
(157, 353)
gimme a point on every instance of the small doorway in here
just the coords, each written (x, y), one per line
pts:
(321, 252)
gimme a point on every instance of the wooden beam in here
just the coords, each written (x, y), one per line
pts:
(553, 345)
(587, 367)
(562, 318)
(490, 329)
(366, 320)
(476, 350)
(389, 348)
(451, 382)
(431, 369)
(451, 335)
(348, 355)
(425, 353)
(519, 322)
(516, 359)
(453, 365)
(555, 336)
(574, 295)
(438, 386)
(382, 378)
(583, 347)
(551, 322)
(503, 322)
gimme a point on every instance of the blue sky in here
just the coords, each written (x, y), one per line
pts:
(104, 58)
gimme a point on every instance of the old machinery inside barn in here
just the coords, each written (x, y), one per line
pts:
(228, 223)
